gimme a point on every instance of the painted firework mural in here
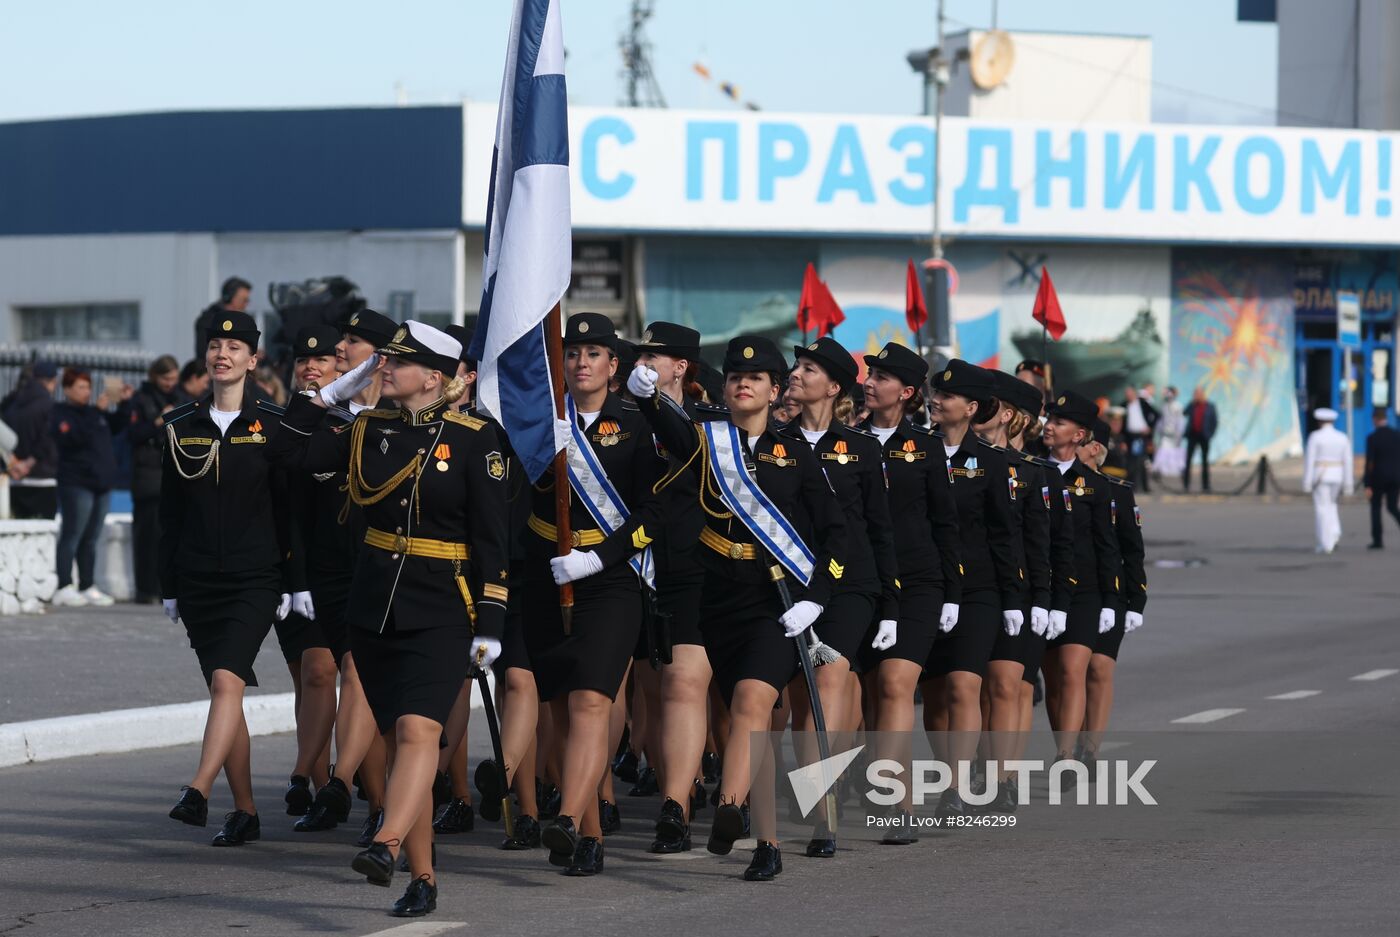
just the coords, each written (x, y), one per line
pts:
(1232, 333)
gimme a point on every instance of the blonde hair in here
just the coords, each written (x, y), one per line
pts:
(1020, 419)
(453, 390)
(844, 407)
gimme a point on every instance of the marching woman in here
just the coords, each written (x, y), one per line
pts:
(926, 542)
(580, 665)
(309, 651)
(427, 596)
(1049, 586)
(765, 500)
(821, 382)
(681, 719)
(993, 580)
(1097, 563)
(1127, 528)
(223, 541)
(333, 532)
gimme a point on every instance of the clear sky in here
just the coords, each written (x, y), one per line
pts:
(79, 57)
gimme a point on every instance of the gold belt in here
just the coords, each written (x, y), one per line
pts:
(735, 551)
(581, 538)
(417, 546)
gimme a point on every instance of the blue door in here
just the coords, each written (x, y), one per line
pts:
(1321, 382)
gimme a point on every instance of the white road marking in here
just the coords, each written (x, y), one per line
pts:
(1375, 674)
(1296, 694)
(419, 929)
(1112, 746)
(1210, 715)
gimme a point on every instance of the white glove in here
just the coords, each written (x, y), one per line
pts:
(1012, 619)
(283, 607)
(576, 564)
(1107, 619)
(172, 610)
(642, 382)
(485, 651)
(1058, 622)
(1132, 622)
(351, 382)
(1040, 620)
(885, 637)
(948, 617)
(800, 617)
(302, 605)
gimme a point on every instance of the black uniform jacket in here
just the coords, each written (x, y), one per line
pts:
(850, 459)
(924, 517)
(983, 494)
(1096, 556)
(677, 558)
(327, 527)
(788, 473)
(451, 487)
(233, 517)
(1035, 520)
(1049, 493)
(1127, 526)
(623, 444)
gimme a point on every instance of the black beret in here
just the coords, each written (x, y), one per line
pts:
(834, 359)
(373, 327)
(749, 353)
(901, 361)
(463, 335)
(965, 380)
(590, 328)
(1076, 408)
(1102, 433)
(236, 325)
(1017, 393)
(316, 340)
(668, 338)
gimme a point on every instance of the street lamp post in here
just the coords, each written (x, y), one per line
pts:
(932, 64)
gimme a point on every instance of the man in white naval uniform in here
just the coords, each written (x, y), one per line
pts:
(1327, 473)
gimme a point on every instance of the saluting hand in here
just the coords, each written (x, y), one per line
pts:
(948, 617)
(1012, 619)
(172, 609)
(1107, 619)
(1040, 620)
(1058, 622)
(642, 382)
(886, 636)
(576, 564)
(351, 382)
(1132, 622)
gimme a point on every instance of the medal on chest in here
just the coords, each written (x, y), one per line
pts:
(442, 453)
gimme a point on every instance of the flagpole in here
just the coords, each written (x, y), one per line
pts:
(554, 345)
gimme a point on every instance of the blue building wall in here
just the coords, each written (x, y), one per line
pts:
(294, 170)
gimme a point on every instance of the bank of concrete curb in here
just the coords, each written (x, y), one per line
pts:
(129, 730)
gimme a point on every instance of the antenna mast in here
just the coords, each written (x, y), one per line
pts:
(641, 88)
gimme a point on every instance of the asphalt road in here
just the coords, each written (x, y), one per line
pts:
(1307, 839)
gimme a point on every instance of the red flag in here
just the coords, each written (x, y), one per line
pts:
(1047, 307)
(915, 312)
(817, 310)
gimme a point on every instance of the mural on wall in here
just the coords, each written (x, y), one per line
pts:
(1232, 334)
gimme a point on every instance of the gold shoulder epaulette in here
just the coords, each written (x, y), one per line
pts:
(467, 420)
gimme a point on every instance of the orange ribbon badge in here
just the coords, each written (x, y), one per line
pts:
(909, 445)
(780, 451)
(442, 452)
(841, 446)
(256, 427)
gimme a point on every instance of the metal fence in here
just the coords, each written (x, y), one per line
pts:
(101, 361)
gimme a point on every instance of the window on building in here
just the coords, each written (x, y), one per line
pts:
(93, 322)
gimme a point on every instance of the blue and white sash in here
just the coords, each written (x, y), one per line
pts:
(590, 482)
(742, 496)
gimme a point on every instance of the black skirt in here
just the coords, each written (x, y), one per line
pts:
(295, 634)
(411, 673)
(743, 639)
(919, 607)
(1007, 647)
(845, 625)
(1082, 622)
(513, 651)
(968, 647)
(1034, 652)
(332, 600)
(607, 620)
(680, 598)
(227, 616)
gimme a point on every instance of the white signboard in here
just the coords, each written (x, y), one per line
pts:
(1348, 320)
(661, 170)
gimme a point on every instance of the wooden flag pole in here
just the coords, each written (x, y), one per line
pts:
(564, 539)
